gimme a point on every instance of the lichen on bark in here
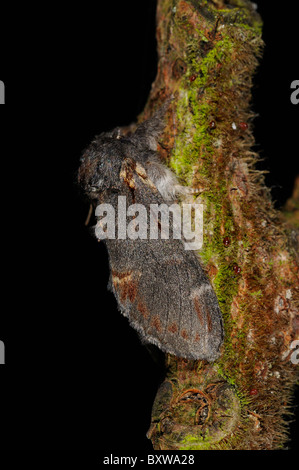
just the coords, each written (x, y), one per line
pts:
(208, 53)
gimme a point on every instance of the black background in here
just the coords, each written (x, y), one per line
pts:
(76, 375)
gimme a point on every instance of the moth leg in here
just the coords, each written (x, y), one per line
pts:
(87, 220)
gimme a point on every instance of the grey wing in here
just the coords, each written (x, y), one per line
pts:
(162, 288)
(168, 299)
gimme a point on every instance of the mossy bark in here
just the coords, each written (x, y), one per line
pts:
(208, 53)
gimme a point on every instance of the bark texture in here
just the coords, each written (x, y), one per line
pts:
(208, 53)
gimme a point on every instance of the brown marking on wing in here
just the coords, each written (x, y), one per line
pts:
(156, 323)
(173, 328)
(142, 173)
(197, 338)
(124, 285)
(127, 172)
(209, 320)
(184, 334)
(198, 309)
(142, 308)
(119, 276)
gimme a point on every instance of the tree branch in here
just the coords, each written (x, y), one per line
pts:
(208, 53)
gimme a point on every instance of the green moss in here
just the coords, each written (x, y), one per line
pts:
(257, 294)
(191, 442)
(194, 113)
(242, 14)
(195, 145)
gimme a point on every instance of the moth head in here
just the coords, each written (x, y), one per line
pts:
(100, 165)
(102, 160)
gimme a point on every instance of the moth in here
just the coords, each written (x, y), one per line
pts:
(159, 285)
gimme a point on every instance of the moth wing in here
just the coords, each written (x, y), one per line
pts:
(169, 301)
(162, 288)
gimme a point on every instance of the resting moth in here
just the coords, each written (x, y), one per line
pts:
(159, 286)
